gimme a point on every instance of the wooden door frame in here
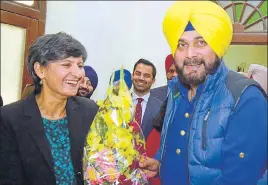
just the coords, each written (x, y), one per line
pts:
(31, 27)
(37, 11)
(32, 19)
(249, 39)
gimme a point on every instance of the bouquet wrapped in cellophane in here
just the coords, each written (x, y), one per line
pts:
(115, 142)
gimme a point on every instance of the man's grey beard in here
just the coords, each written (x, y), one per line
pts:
(209, 69)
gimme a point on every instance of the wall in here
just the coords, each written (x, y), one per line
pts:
(114, 33)
(237, 54)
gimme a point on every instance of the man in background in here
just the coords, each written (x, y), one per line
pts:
(161, 92)
(147, 106)
(259, 74)
(89, 84)
(127, 77)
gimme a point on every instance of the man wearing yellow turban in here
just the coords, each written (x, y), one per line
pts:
(215, 125)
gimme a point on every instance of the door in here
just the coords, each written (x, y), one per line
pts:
(21, 23)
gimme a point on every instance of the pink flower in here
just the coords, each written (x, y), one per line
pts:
(112, 174)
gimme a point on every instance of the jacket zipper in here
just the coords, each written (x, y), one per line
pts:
(204, 132)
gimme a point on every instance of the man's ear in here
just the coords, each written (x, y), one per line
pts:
(39, 70)
(153, 81)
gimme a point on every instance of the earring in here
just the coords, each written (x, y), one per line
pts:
(41, 82)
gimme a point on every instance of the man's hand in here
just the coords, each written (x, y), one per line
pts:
(150, 166)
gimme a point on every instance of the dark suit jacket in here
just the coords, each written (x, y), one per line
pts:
(152, 109)
(25, 156)
(160, 92)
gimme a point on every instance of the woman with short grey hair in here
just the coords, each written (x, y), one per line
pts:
(42, 137)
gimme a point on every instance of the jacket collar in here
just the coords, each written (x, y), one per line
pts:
(35, 126)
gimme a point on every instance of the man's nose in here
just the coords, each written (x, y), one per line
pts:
(192, 52)
(141, 77)
(174, 73)
(83, 85)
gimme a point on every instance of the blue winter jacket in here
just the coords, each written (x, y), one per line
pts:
(207, 129)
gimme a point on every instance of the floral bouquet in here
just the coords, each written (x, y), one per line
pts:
(115, 142)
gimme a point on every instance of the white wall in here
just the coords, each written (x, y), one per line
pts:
(114, 33)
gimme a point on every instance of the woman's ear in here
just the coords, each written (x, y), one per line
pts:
(39, 70)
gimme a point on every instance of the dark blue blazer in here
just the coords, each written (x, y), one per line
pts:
(151, 111)
(160, 92)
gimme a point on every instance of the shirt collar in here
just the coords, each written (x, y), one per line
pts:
(184, 90)
(144, 97)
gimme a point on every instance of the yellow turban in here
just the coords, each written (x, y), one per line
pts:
(208, 19)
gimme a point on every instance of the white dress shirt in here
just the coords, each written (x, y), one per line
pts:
(143, 103)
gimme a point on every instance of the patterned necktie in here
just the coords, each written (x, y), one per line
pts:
(138, 111)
